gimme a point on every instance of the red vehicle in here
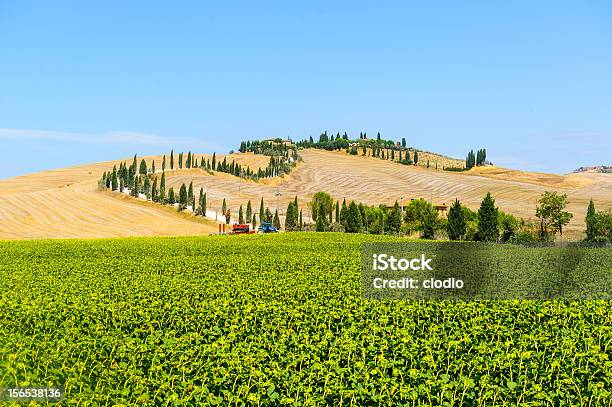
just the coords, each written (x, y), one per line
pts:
(243, 229)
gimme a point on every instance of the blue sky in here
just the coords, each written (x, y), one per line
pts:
(530, 81)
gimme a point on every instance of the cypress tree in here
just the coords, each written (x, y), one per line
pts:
(394, 221)
(416, 157)
(154, 192)
(147, 187)
(362, 211)
(143, 167)
(162, 187)
(114, 179)
(190, 193)
(276, 221)
(171, 197)
(591, 222)
(456, 226)
(488, 220)
(164, 163)
(254, 222)
(240, 216)
(183, 198)
(134, 187)
(403, 143)
(290, 217)
(353, 219)
(249, 210)
(261, 210)
(214, 162)
(153, 167)
(171, 159)
(301, 220)
(203, 205)
(344, 215)
(321, 225)
(337, 212)
(180, 163)
(223, 207)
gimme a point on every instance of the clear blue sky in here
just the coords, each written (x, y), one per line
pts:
(531, 81)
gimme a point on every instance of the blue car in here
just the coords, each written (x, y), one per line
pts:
(267, 228)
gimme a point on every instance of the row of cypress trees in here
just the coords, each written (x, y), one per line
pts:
(125, 174)
(480, 158)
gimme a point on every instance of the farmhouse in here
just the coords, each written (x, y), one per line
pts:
(278, 141)
(441, 209)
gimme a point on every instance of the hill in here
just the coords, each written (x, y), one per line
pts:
(66, 203)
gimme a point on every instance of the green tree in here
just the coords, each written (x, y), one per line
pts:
(147, 187)
(114, 179)
(164, 163)
(249, 210)
(190, 194)
(394, 220)
(344, 214)
(416, 157)
(290, 223)
(321, 200)
(276, 221)
(203, 204)
(337, 212)
(153, 167)
(456, 225)
(509, 225)
(183, 198)
(214, 162)
(591, 222)
(224, 207)
(171, 197)
(154, 191)
(321, 222)
(240, 216)
(430, 224)
(488, 220)
(353, 221)
(261, 210)
(550, 211)
(143, 167)
(254, 222)
(162, 187)
(171, 159)
(604, 226)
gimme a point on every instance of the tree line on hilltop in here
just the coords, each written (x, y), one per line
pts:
(397, 151)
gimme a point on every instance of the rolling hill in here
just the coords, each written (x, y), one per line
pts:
(66, 203)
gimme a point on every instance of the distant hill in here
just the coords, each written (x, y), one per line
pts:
(597, 168)
(66, 203)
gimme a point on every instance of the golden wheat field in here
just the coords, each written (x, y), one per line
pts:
(66, 203)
